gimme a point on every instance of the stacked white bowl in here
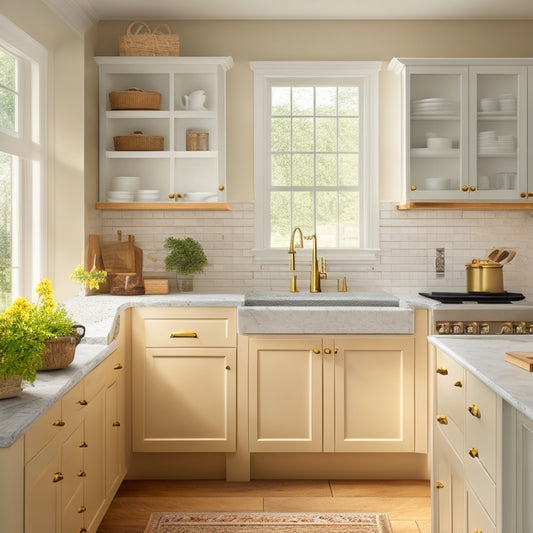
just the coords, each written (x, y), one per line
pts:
(507, 104)
(148, 195)
(489, 105)
(433, 106)
(491, 143)
(123, 188)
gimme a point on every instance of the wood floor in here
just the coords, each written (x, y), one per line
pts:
(406, 502)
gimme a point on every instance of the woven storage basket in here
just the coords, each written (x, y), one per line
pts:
(141, 41)
(10, 387)
(197, 141)
(134, 98)
(60, 350)
(138, 141)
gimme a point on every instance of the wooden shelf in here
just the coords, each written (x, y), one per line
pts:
(468, 206)
(164, 206)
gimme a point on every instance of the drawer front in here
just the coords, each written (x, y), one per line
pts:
(482, 484)
(450, 390)
(95, 380)
(481, 430)
(195, 328)
(42, 431)
(477, 519)
(73, 402)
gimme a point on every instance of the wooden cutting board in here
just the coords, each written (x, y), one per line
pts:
(118, 256)
(93, 259)
(522, 359)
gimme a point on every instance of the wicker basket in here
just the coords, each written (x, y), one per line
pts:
(60, 350)
(10, 387)
(141, 41)
(138, 141)
(197, 141)
(135, 98)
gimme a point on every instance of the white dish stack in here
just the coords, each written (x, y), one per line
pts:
(123, 188)
(488, 142)
(433, 106)
(148, 195)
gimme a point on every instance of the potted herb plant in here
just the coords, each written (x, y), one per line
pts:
(186, 257)
(25, 330)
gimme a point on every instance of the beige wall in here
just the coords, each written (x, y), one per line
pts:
(249, 41)
(65, 136)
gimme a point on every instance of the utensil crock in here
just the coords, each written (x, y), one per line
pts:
(484, 276)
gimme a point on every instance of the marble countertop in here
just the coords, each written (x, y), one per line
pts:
(100, 314)
(484, 358)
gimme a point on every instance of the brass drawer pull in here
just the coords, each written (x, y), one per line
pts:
(474, 410)
(316, 350)
(82, 474)
(442, 370)
(184, 334)
(458, 384)
(118, 366)
(83, 445)
(116, 424)
(58, 423)
(82, 402)
(473, 452)
(58, 476)
(82, 509)
(439, 485)
(327, 351)
(442, 419)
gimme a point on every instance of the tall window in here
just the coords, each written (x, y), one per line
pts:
(22, 156)
(316, 154)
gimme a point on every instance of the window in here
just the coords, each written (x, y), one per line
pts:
(316, 156)
(22, 156)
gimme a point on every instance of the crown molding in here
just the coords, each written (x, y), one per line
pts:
(77, 14)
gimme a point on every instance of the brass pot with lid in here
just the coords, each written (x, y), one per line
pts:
(484, 275)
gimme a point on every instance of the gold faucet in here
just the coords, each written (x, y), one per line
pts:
(316, 273)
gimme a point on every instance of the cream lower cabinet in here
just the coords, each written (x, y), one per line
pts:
(467, 472)
(332, 394)
(184, 379)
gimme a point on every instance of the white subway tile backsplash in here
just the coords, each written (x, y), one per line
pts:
(406, 261)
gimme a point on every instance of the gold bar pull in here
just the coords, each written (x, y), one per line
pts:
(474, 410)
(442, 419)
(184, 334)
(442, 370)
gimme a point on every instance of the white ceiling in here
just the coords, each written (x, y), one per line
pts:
(83, 13)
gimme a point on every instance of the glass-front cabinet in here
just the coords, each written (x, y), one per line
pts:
(464, 132)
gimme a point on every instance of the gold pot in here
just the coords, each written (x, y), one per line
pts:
(484, 276)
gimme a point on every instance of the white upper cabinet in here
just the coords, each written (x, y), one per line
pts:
(180, 168)
(465, 127)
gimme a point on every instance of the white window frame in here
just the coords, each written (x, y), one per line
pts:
(29, 145)
(368, 73)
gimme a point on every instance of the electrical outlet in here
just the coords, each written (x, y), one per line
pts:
(440, 263)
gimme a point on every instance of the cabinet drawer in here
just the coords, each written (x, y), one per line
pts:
(450, 390)
(94, 381)
(482, 484)
(72, 402)
(191, 327)
(42, 431)
(481, 431)
(477, 519)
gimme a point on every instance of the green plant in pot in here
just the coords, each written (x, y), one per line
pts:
(25, 330)
(186, 257)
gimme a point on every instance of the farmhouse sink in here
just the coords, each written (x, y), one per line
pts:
(321, 299)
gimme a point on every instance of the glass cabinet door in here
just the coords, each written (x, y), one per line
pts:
(498, 119)
(437, 132)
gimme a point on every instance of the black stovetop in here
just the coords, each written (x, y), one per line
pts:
(474, 297)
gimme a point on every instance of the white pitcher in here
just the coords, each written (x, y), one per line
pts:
(194, 100)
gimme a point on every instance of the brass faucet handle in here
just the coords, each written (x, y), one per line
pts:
(323, 265)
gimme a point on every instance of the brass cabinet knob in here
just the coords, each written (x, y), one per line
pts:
(116, 424)
(58, 476)
(82, 402)
(523, 195)
(171, 195)
(413, 187)
(118, 366)
(477, 530)
(458, 383)
(442, 370)
(316, 350)
(83, 445)
(442, 419)
(82, 509)
(327, 351)
(439, 485)
(228, 367)
(221, 187)
(473, 452)
(82, 474)
(474, 410)
(472, 188)
(464, 188)
(58, 423)
(530, 194)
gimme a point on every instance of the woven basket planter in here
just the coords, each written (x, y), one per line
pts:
(138, 142)
(140, 40)
(10, 387)
(134, 98)
(60, 350)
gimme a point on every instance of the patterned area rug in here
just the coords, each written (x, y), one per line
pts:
(268, 522)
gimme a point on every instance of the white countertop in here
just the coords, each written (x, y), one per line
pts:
(483, 356)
